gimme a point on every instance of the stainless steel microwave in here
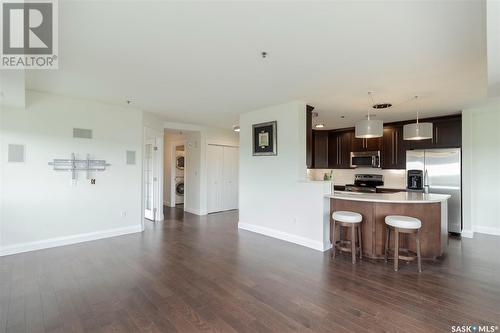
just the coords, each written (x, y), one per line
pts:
(365, 159)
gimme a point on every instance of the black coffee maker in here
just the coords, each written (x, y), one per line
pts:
(415, 180)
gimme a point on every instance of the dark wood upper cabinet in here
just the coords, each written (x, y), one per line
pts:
(332, 148)
(339, 149)
(447, 133)
(372, 144)
(321, 144)
(393, 148)
(309, 137)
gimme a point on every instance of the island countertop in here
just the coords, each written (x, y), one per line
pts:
(398, 197)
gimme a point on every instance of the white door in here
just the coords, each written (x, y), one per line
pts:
(215, 159)
(149, 181)
(222, 178)
(230, 171)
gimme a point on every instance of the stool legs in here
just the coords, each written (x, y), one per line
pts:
(396, 249)
(359, 240)
(355, 235)
(353, 244)
(419, 259)
(387, 236)
(332, 239)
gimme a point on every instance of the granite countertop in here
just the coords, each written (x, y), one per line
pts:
(398, 197)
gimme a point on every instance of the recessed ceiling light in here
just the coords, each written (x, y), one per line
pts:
(236, 128)
(319, 125)
(382, 105)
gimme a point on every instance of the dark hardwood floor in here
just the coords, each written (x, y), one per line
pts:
(200, 274)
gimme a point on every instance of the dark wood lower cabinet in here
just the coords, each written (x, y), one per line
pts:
(433, 235)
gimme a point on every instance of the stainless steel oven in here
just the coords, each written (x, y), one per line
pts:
(365, 159)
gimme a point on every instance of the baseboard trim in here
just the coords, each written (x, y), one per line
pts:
(467, 233)
(68, 240)
(195, 212)
(312, 244)
(487, 230)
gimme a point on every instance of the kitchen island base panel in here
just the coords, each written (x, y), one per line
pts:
(432, 235)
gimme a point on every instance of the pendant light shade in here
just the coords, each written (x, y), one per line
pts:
(369, 128)
(418, 130)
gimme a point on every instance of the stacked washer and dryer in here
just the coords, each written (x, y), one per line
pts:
(179, 175)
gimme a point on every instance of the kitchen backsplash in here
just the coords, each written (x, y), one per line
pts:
(392, 178)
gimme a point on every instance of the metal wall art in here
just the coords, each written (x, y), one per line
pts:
(73, 165)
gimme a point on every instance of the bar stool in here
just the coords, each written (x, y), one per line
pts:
(405, 225)
(351, 221)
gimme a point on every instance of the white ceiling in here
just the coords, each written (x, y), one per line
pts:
(199, 62)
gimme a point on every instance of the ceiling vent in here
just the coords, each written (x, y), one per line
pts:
(130, 157)
(16, 153)
(82, 133)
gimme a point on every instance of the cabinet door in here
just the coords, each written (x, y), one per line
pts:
(230, 178)
(333, 151)
(393, 148)
(357, 144)
(309, 137)
(373, 144)
(320, 149)
(215, 178)
(345, 150)
(447, 133)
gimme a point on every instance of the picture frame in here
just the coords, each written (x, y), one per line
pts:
(265, 139)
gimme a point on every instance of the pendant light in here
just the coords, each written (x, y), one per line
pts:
(418, 130)
(369, 128)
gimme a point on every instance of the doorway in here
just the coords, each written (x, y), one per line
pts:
(178, 181)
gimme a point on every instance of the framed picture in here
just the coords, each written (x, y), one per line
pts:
(264, 138)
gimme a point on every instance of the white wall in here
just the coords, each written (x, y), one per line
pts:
(41, 208)
(275, 198)
(481, 160)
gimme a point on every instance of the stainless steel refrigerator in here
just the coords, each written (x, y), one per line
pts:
(442, 173)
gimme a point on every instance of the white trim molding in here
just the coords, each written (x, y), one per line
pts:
(68, 240)
(487, 230)
(312, 244)
(467, 233)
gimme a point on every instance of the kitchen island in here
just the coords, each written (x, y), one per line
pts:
(431, 209)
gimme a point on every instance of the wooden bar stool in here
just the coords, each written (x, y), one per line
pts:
(405, 225)
(351, 221)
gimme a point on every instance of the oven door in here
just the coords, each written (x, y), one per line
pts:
(366, 159)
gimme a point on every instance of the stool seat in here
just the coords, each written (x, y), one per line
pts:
(403, 222)
(347, 217)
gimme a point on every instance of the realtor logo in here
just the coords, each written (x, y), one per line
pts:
(29, 34)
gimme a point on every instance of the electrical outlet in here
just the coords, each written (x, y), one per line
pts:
(92, 181)
(123, 214)
(296, 220)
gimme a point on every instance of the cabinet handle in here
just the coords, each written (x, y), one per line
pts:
(392, 146)
(340, 152)
(337, 150)
(397, 148)
(437, 134)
